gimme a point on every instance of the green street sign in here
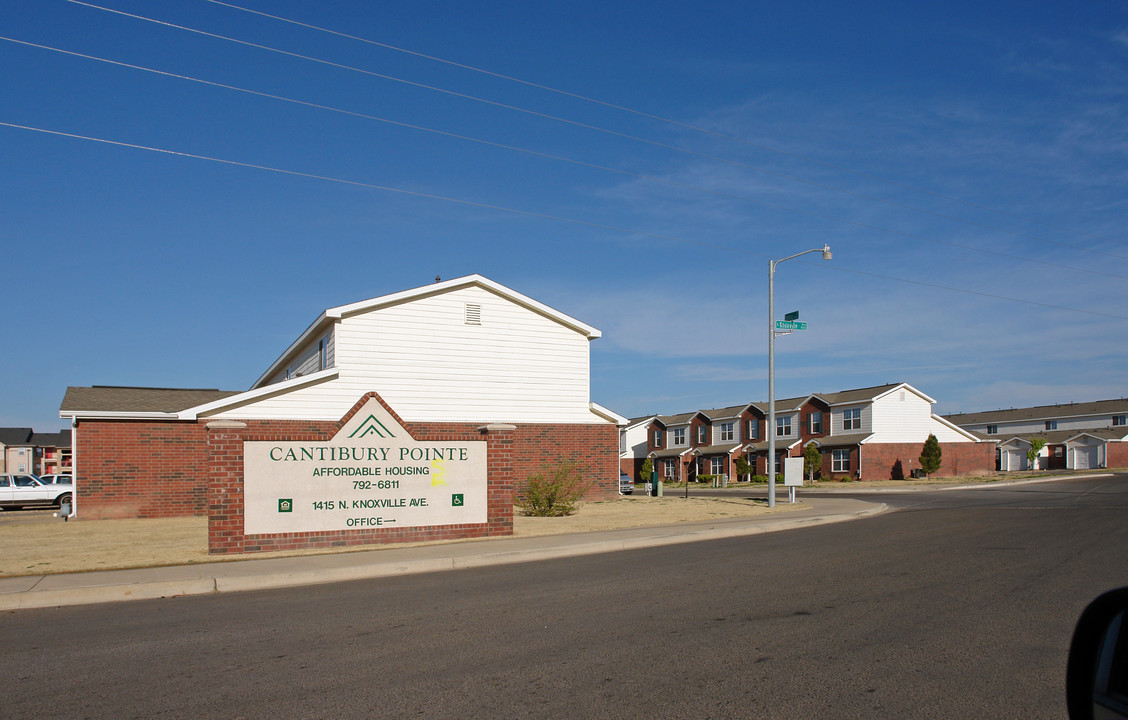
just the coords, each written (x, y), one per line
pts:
(789, 325)
(791, 316)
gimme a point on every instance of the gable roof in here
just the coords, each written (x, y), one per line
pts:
(15, 436)
(106, 400)
(1043, 412)
(332, 315)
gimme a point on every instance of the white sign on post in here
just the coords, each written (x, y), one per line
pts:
(793, 472)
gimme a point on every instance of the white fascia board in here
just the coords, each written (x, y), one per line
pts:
(910, 388)
(467, 281)
(609, 415)
(257, 393)
(952, 426)
(116, 414)
(643, 422)
(867, 438)
(309, 332)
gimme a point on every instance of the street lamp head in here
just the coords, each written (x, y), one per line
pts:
(826, 252)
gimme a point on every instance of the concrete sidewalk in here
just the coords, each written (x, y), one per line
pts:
(256, 574)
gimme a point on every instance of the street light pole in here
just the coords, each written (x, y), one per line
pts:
(771, 429)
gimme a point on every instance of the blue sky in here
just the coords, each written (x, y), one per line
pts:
(966, 162)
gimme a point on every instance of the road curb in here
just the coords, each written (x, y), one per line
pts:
(568, 546)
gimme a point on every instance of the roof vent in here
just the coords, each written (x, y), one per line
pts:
(473, 314)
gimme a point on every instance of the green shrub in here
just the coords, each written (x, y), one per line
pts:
(554, 491)
(707, 478)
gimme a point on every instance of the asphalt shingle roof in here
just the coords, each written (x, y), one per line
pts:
(103, 398)
(1043, 412)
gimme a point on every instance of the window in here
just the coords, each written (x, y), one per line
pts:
(657, 438)
(814, 422)
(718, 465)
(1059, 451)
(700, 434)
(852, 419)
(668, 467)
(1119, 420)
(679, 436)
(783, 426)
(321, 356)
(753, 429)
(726, 432)
(1051, 424)
(992, 429)
(840, 461)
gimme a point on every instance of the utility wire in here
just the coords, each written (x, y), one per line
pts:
(540, 215)
(586, 126)
(669, 121)
(581, 163)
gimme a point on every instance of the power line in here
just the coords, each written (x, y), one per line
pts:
(534, 214)
(670, 121)
(586, 126)
(581, 163)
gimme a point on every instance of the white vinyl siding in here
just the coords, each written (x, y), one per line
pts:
(308, 359)
(430, 366)
(786, 425)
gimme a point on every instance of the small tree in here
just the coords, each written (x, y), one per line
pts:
(554, 491)
(743, 467)
(812, 461)
(647, 470)
(1036, 445)
(930, 456)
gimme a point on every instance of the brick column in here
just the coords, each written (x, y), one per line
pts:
(502, 481)
(225, 487)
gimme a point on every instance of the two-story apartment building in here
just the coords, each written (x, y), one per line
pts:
(446, 359)
(22, 450)
(1076, 435)
(865, 433)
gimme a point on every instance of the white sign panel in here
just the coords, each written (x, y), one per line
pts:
(373, 474)
(793, 472)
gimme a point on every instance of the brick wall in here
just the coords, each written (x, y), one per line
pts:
(140, 469)
(879, 461)
(147, 469)
(1116, 455)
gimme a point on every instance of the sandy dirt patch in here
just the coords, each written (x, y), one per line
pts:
(36, 543)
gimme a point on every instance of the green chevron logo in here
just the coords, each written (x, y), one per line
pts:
(372, 426)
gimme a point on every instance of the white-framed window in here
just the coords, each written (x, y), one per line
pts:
(679, 436)
(992, 429)
(726, 432)
(718, 465)
(783, 426)
(1119, 420)
(701, 434)
(840, 461)
(852, 419)
(657, 438)
(815, 422)
(322, 356)
(668, 468)
(1051, 424)
(753, 429)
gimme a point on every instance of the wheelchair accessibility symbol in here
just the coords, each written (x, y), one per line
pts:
(456, 500)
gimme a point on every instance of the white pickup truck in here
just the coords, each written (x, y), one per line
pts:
(17, 491)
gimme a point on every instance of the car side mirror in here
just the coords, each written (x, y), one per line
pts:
(1096, 679)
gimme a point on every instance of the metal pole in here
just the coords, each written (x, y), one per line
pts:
(771, 384)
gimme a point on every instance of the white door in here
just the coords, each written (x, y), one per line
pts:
(1016, 460)
(1084, 458)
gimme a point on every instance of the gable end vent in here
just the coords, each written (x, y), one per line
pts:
(473, 314)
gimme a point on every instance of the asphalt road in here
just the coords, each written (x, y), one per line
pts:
(954, 605)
